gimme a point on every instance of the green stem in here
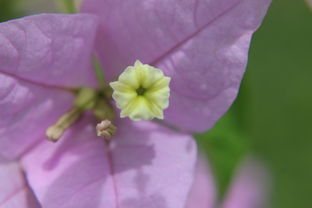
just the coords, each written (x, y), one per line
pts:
(98, 72)
(68, 6)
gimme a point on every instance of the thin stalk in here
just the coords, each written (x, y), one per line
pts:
(99, 72)
(68, 6)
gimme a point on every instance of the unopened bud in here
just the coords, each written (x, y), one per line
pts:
(55, 132)
(106, 129)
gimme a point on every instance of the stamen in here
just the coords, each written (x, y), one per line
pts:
(106, 129)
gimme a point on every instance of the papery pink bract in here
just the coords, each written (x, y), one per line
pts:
(144, 158)
(36, 53)
(49, 49)
(146, 165)
(203, 193)
(14, 192)
(27, 110)
(202, 45)
(249, 187)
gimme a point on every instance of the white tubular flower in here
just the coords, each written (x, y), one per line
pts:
(141, 92)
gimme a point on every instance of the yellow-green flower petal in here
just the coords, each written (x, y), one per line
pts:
(141, 92)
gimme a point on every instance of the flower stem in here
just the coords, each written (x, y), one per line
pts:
(99, 72)
(68, 6)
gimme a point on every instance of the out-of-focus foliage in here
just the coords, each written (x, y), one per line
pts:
(8, 9)
(274, 109)
(68, 6)
(280, 113)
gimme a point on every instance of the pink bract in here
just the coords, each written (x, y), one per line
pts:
(144, 158)
(14, 192)
(249, 188)
(38, 53)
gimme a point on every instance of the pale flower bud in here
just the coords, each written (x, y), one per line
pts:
(105, 129)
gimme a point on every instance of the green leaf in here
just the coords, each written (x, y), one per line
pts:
(8, 10)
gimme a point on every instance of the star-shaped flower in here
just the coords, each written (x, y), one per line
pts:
(141, 92)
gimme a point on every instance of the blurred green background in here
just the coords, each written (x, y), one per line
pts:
(272, 116)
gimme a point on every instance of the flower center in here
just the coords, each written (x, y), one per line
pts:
(141, 91)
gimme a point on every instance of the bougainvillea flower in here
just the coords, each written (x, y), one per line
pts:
(249, 188)
(39, 56)
(146, 164)
(202, 45)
